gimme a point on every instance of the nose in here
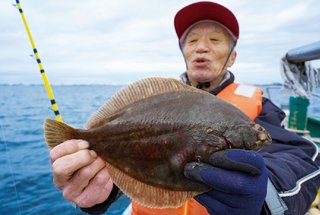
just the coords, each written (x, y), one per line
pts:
(202, 46)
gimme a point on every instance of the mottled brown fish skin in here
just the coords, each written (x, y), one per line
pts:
(152, 139)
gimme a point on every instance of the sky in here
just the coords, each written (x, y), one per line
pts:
(118, 42)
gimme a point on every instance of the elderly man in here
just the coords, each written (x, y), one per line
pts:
(280, 179)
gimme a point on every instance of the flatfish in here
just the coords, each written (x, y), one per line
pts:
(149, 130)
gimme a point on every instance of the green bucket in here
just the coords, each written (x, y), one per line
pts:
(298, 112)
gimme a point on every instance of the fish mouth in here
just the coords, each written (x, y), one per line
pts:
(263, 136)
(229, 145)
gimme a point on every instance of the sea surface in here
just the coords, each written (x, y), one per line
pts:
(25, 174)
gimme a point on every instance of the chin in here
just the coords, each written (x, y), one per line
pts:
(200, 76)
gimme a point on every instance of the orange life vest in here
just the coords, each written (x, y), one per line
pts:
(246, 98)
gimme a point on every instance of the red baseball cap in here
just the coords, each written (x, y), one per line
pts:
(205, 10)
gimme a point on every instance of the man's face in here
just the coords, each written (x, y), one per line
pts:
(206, 49)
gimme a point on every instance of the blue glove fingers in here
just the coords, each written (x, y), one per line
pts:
(237, 159)
(238, 179)
(192, 171)
(234, 205)
(213, 205)
(233, 200)
(220, 179)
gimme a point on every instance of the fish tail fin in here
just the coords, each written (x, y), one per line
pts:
(57, 132)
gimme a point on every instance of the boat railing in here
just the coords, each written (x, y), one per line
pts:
(304, 53)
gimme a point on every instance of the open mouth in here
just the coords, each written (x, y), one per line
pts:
(200, 60)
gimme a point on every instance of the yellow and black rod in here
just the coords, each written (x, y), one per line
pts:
(43, 74)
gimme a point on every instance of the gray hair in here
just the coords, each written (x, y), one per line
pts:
(232, 38)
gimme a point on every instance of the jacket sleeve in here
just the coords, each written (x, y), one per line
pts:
(292, 162)
(103, 207)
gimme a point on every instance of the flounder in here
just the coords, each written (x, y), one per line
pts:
(150, 129)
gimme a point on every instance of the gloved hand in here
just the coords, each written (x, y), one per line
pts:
(238, 179)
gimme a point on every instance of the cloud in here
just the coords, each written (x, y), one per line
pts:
(121, 41)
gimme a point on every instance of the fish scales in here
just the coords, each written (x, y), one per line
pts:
(150, 139)
(153, 126)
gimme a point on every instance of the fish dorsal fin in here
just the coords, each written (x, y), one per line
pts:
(147, 195)
(134, 92)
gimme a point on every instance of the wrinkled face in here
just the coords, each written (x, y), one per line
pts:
(206, 49)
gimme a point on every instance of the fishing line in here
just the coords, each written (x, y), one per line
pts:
(43, 74)
(10, 168)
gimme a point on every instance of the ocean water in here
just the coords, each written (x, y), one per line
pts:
(25, 174)
(26, 181)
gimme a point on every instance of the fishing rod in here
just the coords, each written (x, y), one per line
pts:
(43, 74)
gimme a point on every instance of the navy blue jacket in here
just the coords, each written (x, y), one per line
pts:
(292, 162)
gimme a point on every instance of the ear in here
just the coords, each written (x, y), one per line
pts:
(232, 58)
